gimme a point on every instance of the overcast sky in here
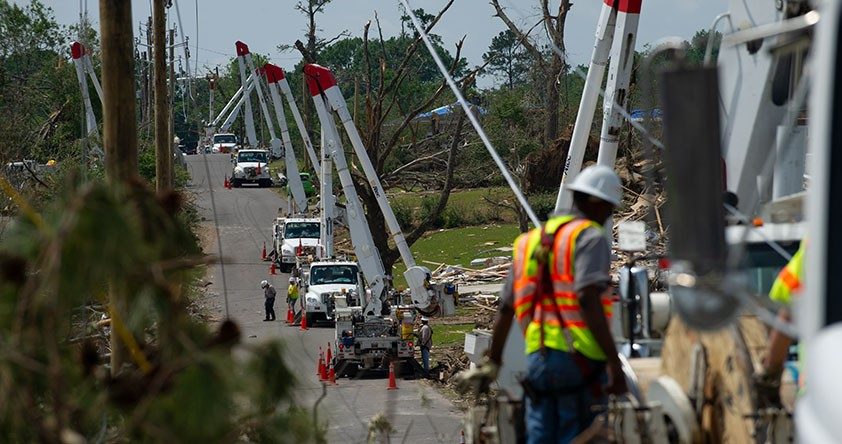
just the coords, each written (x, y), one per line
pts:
(263, 24)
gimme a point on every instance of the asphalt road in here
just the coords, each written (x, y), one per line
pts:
(416, 412)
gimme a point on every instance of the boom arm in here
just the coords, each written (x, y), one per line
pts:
(273, 75)
(323, 83)
(367, 255)
(245, 60)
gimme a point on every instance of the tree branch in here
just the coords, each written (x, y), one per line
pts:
(536, 53)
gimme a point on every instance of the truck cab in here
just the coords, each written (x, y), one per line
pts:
(295, 236)
(224, 143)
(331, 285)
(251, 166)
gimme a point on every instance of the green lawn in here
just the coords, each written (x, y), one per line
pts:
(444, 335)
(459, 246)
(474, 206)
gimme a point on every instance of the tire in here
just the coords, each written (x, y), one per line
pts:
(310, 319)
(285, 268)
(236, 183)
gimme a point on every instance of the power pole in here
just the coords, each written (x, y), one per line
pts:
(163, 158)
(171, 133)
(119, 127)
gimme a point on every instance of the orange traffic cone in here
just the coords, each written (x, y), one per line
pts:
(290, 318)
(331, 375)
(263, 253)
(322, 369)
(304, 321)
(226, 184)
(319, 363)
(272, 269)
(329, 354)
(323, 373)
(393, 384)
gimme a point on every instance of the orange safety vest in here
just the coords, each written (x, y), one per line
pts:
(556, 321)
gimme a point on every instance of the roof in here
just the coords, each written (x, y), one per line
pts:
(448, 110)
(332, 262)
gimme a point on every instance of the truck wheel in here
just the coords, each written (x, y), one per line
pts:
(235, 183)
(310, 319)
(285, 268)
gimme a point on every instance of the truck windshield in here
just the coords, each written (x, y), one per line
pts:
(762, 265)
(251, 156)
(296, 230)
(333, 274)
(224, 138)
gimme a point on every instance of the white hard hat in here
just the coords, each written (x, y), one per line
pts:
(292, 279)
(264, 284)
(425, 319)
(598, 181)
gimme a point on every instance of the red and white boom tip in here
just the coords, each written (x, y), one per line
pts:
(242, 48)
(77, 50)
(273, 73)
(627, 6)
(318, 78)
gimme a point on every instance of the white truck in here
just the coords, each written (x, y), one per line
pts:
(293, 237)
(251, 166)
(224, 143)
(329, 284)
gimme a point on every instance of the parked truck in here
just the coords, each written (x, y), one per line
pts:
(251, 166)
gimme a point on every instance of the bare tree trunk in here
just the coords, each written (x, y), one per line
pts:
(171, 113)
(162, 155)
(119, 127)
(551, 101)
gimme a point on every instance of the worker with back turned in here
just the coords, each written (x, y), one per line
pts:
(557, 291)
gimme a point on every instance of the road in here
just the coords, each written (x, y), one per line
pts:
(417, 412)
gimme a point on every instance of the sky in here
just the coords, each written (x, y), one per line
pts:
(264, 24)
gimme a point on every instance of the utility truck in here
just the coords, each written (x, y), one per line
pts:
(251, 166)
(377, 328)
(329, 284)
(224, 143)
(295, 237)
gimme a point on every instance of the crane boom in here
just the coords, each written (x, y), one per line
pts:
(244, 60)
(323, 84)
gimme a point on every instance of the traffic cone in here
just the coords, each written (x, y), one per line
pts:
(272, 269)
(393, 384)
(290, 319)
(319, 362)
(322, 371)
(304, 321)
(331, 375)
(329, 354)
(263, 253)
(462, 437)
(226, 184)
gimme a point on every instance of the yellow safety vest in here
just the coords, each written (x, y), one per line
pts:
(557, 311)
(292, 291)
(789, 279)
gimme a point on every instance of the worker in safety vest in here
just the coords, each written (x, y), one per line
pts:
(557, 291)
(293, 294)
(767, 382)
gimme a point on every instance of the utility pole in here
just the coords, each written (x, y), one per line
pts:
(163, 158)
(171, 133)
(119, 127)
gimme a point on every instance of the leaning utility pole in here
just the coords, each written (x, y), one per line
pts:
(163, 158)
(119, 127)
(171, 121)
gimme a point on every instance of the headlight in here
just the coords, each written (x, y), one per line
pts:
(312, 300)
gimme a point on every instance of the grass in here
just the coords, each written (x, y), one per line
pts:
(459, 246)
(451, 334)
(464, 207)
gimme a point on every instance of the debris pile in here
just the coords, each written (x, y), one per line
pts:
(464, 276)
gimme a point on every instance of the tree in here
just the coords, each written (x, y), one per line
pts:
(549, 64)
(507, 58)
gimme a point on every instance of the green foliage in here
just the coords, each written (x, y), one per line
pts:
(507, 59)
(121, 249)
(543, 204)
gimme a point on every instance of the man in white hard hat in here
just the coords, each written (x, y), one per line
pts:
(269, 294)
(425, 342)
(558, 290)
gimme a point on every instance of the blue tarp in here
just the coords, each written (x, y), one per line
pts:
(448, 109)
(640, 114)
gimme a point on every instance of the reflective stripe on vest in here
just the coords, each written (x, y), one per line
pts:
(570, 329)
(789, 279)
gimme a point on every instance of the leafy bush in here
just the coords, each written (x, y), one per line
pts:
(543, 204)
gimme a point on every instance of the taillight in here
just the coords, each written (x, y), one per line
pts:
(409, 344)
(341, 347)
(663, 263)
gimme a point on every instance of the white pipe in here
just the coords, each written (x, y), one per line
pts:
(251, 132)
(587, 105)
(285, 89)
(293, 176)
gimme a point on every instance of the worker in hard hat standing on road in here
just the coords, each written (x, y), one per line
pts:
(557, 290)
(425, 341)
(269, 294)
(292, 295)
